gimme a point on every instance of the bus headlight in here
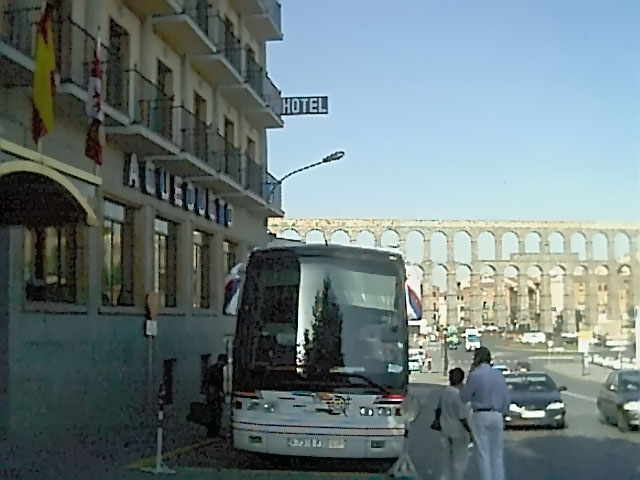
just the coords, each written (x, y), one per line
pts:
(366, 411)
(254, 405)
(269, 407)
(385, 412)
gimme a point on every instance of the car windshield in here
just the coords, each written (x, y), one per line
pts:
(531, 383)
(629, 381)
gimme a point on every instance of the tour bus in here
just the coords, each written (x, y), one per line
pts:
(320, 353)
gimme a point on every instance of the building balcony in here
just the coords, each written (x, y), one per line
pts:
(223, 66)
(17, 45)
(151, 129)
(74, 48)
(273, 195)
(148, 8)
(257, 96)
(263, 17)
(186, 31)
(269, 113)
(254, 177)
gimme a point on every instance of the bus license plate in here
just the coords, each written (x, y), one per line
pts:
(316, 443)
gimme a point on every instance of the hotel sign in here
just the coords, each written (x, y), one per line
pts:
(157, 182)
(305, 105)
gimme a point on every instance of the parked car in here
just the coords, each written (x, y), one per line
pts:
(535, 400)
(619, 399)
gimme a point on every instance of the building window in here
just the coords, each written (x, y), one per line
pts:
(50, 256)
(164, 249)
(230, 255)
(168, 379)
(205, 361)
(118, 260)
(200, 270)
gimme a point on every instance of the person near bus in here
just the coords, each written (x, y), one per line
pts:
(456, 433)
(215, 393)
(486, 389)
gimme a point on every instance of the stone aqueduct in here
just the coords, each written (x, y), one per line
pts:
(602, 259)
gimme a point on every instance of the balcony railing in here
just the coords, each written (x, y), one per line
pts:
(254, 75)
(198, 10)
(227, 158)
(254, 179)
(222, 36)
(19, 28)
(153, 108)
(193, 136)
(272, 96)
(273, 192)
(274, 10)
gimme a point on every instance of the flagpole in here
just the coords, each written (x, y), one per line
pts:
(96, 166)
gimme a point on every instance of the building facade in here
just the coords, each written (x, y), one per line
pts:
(183, 193)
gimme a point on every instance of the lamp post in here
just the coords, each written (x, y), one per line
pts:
(332, 157)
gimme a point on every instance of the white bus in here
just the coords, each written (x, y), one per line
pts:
(320, 353)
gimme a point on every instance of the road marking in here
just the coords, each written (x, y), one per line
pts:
(553, 357)
(581, 397)
(150, 461)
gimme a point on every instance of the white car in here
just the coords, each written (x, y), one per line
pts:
(533, 338)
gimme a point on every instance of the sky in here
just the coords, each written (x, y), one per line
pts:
(461, 109)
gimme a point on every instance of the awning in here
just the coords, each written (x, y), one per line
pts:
(35, 194)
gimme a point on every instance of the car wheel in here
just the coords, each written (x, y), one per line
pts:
(623, 422)
(562, 424)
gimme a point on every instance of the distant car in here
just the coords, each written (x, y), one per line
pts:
(535, 400)
(492, 328)
(416, 359)
(619, 399)
(523, 367)
(503, 368)
(533, 338)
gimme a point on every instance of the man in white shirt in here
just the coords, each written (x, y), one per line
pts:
(456, 434)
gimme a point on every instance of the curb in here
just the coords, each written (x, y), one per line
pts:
(150, 461)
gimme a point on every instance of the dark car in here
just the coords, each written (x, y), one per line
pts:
(535, 400)
(619, 399)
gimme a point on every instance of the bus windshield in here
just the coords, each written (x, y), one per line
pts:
(321, 321)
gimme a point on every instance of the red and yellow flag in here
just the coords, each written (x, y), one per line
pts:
(44, 85)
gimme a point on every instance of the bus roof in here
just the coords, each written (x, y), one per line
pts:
(315, 249)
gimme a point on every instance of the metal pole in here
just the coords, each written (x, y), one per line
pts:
(160, 466)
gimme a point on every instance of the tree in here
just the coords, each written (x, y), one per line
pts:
(324, 347)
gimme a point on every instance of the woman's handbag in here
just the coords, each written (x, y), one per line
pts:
(435, 425)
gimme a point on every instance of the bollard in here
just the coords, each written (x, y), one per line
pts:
(160, 466)
(404, 467)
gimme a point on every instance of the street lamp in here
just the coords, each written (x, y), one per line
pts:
(332, 157)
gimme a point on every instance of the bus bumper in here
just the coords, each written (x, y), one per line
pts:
(297, 444)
